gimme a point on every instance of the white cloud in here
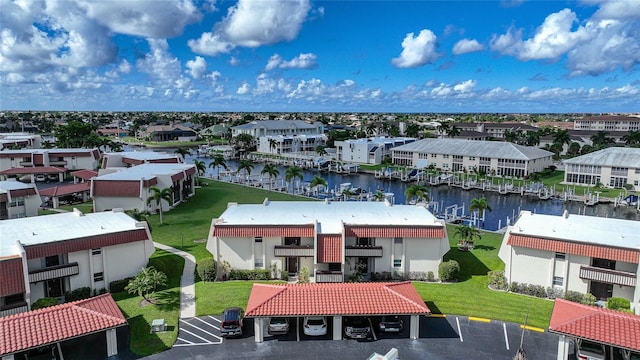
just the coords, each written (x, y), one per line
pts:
(302, 61)
(553, 38)
(465, 86)
(617, 9)
(252, 24)
(159, 63)
(508, 43)
(466, 46)
(197, 67)
(243, 88)
(417, 51)
(308, 89)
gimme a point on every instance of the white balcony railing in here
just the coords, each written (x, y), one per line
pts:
(607, 276)
(53, 272)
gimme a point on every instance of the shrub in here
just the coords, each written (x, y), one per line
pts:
(259, 274)
(616, 303)
(44, 302)
(119, 285)
(574, 296)
(430, 276)
(77, 294)
(448, 270)
(553, 293)
(418, 275)
(206, 269)
(497, 280)
(589, 299)
(303, 276)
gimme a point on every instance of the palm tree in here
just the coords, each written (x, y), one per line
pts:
(317, 181)
(321, 150)
(562, 137)
(454, 131)
(291, 174)
(273, 144)
(246, 166)
(182, 152)
(218, 161)
(601, 140)
(632, 137)
(467, 235)
(159, 195)
(419, 192)
(444, 128)
(146, 282)
(378, 196)
(140, 216)
(271, 170)
(479, 205)
(533, 138)
(201, 168)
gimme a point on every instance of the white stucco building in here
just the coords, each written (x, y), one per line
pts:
(368, 150)
(284, 144)
(333, 240)
(134, 158)
(492, 157)
(45, 256)
(71, 159)
(260, 128)
(574, 252)
(18, 200)
(608, 123)
(613, 167)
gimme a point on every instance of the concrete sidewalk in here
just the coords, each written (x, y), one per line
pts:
(187, 285)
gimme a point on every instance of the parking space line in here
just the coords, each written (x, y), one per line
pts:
(216, 319)
(204, 331)
(473, 318)
(185, 340)
(531, 328)
(506, 339)
(215, 327)
(198, 344)
(459, 331)
(198, 336)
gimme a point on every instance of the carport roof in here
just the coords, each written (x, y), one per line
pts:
(66, 189)
(34, 170)
(590, 322)
(335, 299)
(57, 323)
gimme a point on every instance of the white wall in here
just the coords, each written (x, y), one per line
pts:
(532, 266)
(102, 203)
(422, 255)
(84, 277)
(125, 260)
(574, 283)
(238, 252)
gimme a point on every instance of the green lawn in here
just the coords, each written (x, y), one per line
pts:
(167, 307)
(214, 297)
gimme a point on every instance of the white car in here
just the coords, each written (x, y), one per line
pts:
(588, 350)
(41, 178)
(315, 326)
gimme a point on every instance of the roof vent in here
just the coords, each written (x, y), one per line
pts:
(565, 214)
(77, 212)
(265, 202)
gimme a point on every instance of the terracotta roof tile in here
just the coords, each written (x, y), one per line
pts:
(589, 322)
(335, 299)
(264, 230)
(66, 189)
(395, 231)
(85, 174)
(49, 325)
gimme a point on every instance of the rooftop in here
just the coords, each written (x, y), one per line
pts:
(478, 148)
(612, 156)
(145, 171)
(330, 215)
(580, 228)
(47, 151)
(379, 140)
(276, 124)
(9, 185)
(143, 155)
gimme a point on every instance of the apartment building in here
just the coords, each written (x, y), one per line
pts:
(368, 150)
(608, 123)
(613, 167)
(18, 200)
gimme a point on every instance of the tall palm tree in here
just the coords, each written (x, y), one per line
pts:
(454, 131)
(317, 181)
(271, 170)
(601, 140)
(562, 137)
(218, 161)
(201, 168)
(246, 166)
(292, 173)
(182, 152)
(632, 137)
(140, 216)
(159, 195)
(444, 128)
(467, 235)
(480, 205)
(378, 196)
(273, 144)
(419, 192)
(321, 150)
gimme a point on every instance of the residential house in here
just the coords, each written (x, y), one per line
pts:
(608, 123)
(18, 200)
(614, 167)
(126, 159)
(285, 144)
(286, 128)
(368, 150)
(580, 253)
(19, 140)
(45, 256)
(169, 133)
(334, 241)
(47, 161)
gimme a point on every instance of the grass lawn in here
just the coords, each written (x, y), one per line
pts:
(214, 297)
(167, 308)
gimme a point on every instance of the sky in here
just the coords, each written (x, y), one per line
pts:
(506, 56)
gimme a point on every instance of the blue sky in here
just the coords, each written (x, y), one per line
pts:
(320, 56)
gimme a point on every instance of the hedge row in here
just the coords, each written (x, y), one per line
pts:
(260, 274)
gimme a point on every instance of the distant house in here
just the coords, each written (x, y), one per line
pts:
(286, 128)
(130, 188)
(133, 158)
(613, 167)
(608, 123)
(18, 200)
(284, 144)
(170, 133)
(45, 256)
(19, 140)
(71, 159)
(369, 150)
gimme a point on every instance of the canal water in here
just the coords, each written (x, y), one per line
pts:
(445, 199)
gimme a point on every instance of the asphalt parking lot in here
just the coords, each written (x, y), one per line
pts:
(451, 337)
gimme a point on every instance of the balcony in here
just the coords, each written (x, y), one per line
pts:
(13, 309)
(329, 277)
(293, 251)
(607, 276)
(26, 163)
(363, 251)
(53, 272)
(57, 162)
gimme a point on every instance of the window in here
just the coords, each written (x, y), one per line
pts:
(364, 241)
(259, 264)
(561, 256)
(14, 299)
(96, 251)
(558, 280)
(99, 276)
(258, 239)
(17, 201)
(397, 241)
(397, 262)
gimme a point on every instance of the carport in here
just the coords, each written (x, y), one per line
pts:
(52, 325)
(615, 329)
(56, 192)
(33, 171)
(334, 300)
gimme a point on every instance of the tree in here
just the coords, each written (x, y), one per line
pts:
(182, 152)
(218, 161)
(141, 216)
(454, 131)
(417, 192)
(467, 235)
(378, 196)
(201, 168)
(291, 174)
(146, 282)
(321, 150)
(443, 128)
(317, 181)
(246, 166)
(562, 137)
(413, 130)
(159, 195)
(479, 205)
(76, 134)
(244, 143)
(632, 137)
(574, 149)
(533, 138)
(273, 144)
(271, 170)
(601, 140)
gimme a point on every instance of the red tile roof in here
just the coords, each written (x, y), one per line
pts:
(395, 231)
(118, 188)
(570, 247)
(84, 174)
(49, 325)
(335, 299)
(329, 248)
(66, 189)
(589, 322)
(264, 230)
(11, 276)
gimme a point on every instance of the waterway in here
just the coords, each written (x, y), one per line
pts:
(504, 207)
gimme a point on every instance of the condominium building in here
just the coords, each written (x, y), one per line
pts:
(613, 167)
(368, 150)
(18, 200)
(608, 123)
(261, 128)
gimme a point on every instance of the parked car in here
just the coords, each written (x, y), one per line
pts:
(232, 322)
(278, 326)
(315, 326)
(357, 327)
(588, 350)
(41, 177)
(391, 323)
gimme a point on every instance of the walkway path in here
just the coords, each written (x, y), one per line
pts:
(187, 286)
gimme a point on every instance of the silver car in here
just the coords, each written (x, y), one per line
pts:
(315, 326)
(278, 326)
